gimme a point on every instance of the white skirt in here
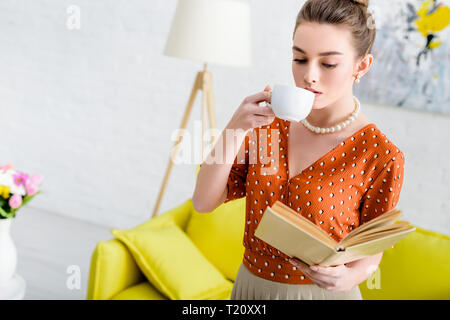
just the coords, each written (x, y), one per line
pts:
(251, 287)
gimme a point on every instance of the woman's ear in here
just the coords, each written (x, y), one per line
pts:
(364, 65)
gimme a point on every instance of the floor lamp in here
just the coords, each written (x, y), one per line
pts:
(206, 31)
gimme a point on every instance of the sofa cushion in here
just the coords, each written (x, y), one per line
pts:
(141, 291)
(418, 267)
(219, 235)
(111, 270)
(173, 264)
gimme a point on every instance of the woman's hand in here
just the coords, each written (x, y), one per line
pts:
(341, 277)
(250, 115)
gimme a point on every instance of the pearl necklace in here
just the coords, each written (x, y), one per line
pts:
(337, 127)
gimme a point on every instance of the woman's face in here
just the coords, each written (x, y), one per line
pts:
(324, 60)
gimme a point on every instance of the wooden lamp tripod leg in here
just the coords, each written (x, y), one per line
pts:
(204, 110)
(212, 115)
(197, 86)
(203, 81)
(208, 108)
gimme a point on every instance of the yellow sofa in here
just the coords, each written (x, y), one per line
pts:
(418, 267)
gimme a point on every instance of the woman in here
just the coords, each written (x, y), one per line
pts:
(335, 167)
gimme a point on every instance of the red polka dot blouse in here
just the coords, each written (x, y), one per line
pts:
(356, 181)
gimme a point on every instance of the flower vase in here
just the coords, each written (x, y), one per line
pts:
(8, 252)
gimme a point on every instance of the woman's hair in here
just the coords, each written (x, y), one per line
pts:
(352, 13)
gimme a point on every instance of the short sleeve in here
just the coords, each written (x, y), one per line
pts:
(237, 178)
(384, 192)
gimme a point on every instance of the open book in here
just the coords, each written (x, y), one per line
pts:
(296, 236)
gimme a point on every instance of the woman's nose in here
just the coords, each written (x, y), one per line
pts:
(310, 75)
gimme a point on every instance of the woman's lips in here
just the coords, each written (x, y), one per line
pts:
(316, 93)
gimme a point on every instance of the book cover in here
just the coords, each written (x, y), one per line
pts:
(294, 235)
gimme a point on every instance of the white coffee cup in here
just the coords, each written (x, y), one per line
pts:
(291, 103)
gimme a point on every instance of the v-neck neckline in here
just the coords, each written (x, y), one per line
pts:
(323, 156)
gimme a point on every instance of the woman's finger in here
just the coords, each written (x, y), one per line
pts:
(267, 88)
(329, 271)
(314, 275)
(298, 263)
(323, 281)
(258, 97)
(263, 111)
(322, 284)
(330, 280)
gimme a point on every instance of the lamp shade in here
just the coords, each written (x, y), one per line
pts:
(211, 31)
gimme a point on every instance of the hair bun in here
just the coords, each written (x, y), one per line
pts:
(364, 3)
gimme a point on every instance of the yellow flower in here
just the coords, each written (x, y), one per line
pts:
(4, 192)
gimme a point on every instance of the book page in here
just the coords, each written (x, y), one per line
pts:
(286, 236)
(377, 235)
(387, 218)
(366, 249)
(373, 233)
(303, 223)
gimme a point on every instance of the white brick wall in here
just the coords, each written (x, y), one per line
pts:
(93, 109)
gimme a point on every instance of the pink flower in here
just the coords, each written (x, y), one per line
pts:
(6, 167)
(32, 184)
(20, 178)
(15, 201)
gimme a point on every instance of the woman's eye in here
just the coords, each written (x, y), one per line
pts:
(302, 61)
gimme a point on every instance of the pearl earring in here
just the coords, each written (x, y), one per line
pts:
(357, 78)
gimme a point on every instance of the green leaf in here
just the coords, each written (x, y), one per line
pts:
(5, 214)
(28, 198)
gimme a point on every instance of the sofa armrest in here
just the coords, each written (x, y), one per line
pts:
(112, 270)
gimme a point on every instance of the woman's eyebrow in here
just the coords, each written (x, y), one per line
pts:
(329, 53)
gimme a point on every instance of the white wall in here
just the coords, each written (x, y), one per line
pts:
(93, 109)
